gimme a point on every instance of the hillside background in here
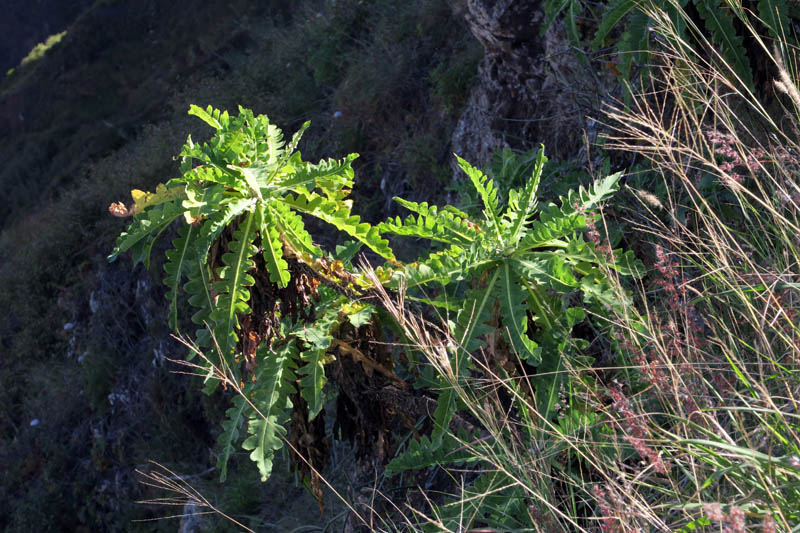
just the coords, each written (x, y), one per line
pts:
(88, 396)
(86, 393)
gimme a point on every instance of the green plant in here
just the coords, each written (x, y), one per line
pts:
(241, 197)
(717, 342)
(720, 20)
(41, 49)
(515, 268)
(272, 305)
(513, 281)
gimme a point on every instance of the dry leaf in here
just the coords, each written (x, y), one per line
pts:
(118, 209)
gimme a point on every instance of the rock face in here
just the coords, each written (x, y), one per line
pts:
(523, 97)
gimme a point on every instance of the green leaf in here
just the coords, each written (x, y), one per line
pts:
(445, 409)
(551, 230)
(361, 317)
(319, 337)
(514, 312)
(477, 309)
(433, 224)
(207, 115)
(293, 229)
(774, 14)
(273, 249)
(212, 227)
(145, 229)
(271, 393)
(198, 287)
(338, 215)
(493, 500)
(488, 193)
(694, 525)
(615, 12)
(235, 417)
(233, 288)
(329, 175)
(521, 205)
(550, 376)
(719, 23)
(423, 454)
(178, 261)
(586, 199)
(345, 253)
(634, 45)
(249, 175)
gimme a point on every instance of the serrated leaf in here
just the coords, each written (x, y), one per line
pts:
(345, 253)
(471, 321)
(615, 11)
(445, 409)
(142, 200)
(273, 249)
(266, 428)
(198, 287)
(318, 337)
(550, 376)
(233, 288)
(329, 175)
(235, 417)
(515, 319)
(361, 317)
(145, 229)
(488, 193)
(206, 115)
(313, 379)
(338, 215)
(521, 205)
(294, 230)
(432, 223)
(719, 23)
(423, 454)
(774, 14)
(178, 261)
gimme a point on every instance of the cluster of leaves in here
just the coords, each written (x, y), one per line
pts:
(247, 263)
(514, 281)
(719, 20)
(241, 196)
(514, 269)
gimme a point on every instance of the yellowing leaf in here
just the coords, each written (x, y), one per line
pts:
(143, 200)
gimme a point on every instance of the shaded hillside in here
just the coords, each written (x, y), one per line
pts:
(83, 343)
(113, 71)
(25, 24)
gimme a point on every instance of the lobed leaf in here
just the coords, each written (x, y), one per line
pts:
(273, 249)
(144, 231)
(235, 417)
(513, 309)
(522, 205)
(433, 224)
(233, 287)
(212, 117)
(488, 193)
(338, 215)
(178, 261)
(271, 392)
(318, 337)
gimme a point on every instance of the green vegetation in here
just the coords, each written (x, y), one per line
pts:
(70, 155)
(724, 26)
(39, 50)
(537, 346)
(513, 260)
